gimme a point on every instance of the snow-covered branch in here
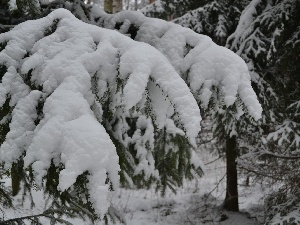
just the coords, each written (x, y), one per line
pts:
(65, 80)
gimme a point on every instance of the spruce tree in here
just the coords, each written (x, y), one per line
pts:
(269, 42)
(170, 9)
(91, 99)
(265, 34)
(229, 120)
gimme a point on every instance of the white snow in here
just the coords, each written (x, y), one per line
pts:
(12, 5)
(21, 128)
(190, 205)
(154, 7)
(204, 67)
(62, 65)
(12, 86)
(245, 25)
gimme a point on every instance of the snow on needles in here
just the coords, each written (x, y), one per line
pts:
(200, 62)
(58, 65)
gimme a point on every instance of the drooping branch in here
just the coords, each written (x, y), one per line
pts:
(289, 157)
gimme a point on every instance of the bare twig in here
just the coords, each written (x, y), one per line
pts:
(7, 26)
(213, 160)
(216, 186)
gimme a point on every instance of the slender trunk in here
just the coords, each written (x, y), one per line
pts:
(16, 177)
(135, 5)
(151, 1)
(231, 200)
(108, 6)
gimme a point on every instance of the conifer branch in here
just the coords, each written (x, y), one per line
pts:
(290, 157)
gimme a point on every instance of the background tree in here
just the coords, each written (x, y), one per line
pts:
(226, 119)
(265, 34)
(169, 9)
(218, 19)
(14, 13)
(270, 46)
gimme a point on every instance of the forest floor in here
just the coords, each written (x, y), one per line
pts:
(198, 202)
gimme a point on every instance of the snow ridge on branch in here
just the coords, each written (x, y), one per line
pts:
(200, 62)
(53, 60)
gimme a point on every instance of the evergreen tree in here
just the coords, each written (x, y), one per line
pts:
(229, 121)
(81, 88)
(266, 35)
(269, 42)
(171, 9)
(14, 13)
(216, 19)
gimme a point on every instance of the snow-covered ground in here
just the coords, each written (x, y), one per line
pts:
(197, 202)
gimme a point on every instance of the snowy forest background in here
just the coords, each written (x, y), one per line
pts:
(101, 110)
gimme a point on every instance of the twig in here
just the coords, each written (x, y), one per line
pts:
(216, 186)
(213, 160)
(46, 213)
(278, 177)
(7, 26)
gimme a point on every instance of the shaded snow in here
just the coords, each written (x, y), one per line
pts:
(190, 206)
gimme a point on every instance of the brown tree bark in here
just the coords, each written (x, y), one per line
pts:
(151, 1)
(108, 6)
(231, 200)
(16, 176)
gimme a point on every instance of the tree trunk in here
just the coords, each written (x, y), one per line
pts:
(151, 1)
(231, 200)
(136, 5)
(16, 177)
(108, 6)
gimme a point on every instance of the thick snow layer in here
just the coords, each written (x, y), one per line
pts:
(21, 127)
(61, 64)
(201, 63)
(12, 86)
(12, 5)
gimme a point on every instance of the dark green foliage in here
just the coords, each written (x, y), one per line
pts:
(34, 9)
(3, 70)
(270, 46)
(5, 112)
(26, 9)
(284, 206)
(77, 7)
(5, 195)
(29, 83)
(52, 28)
(171, 9)
(71, 203)
(217, 19)
(173, 155)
